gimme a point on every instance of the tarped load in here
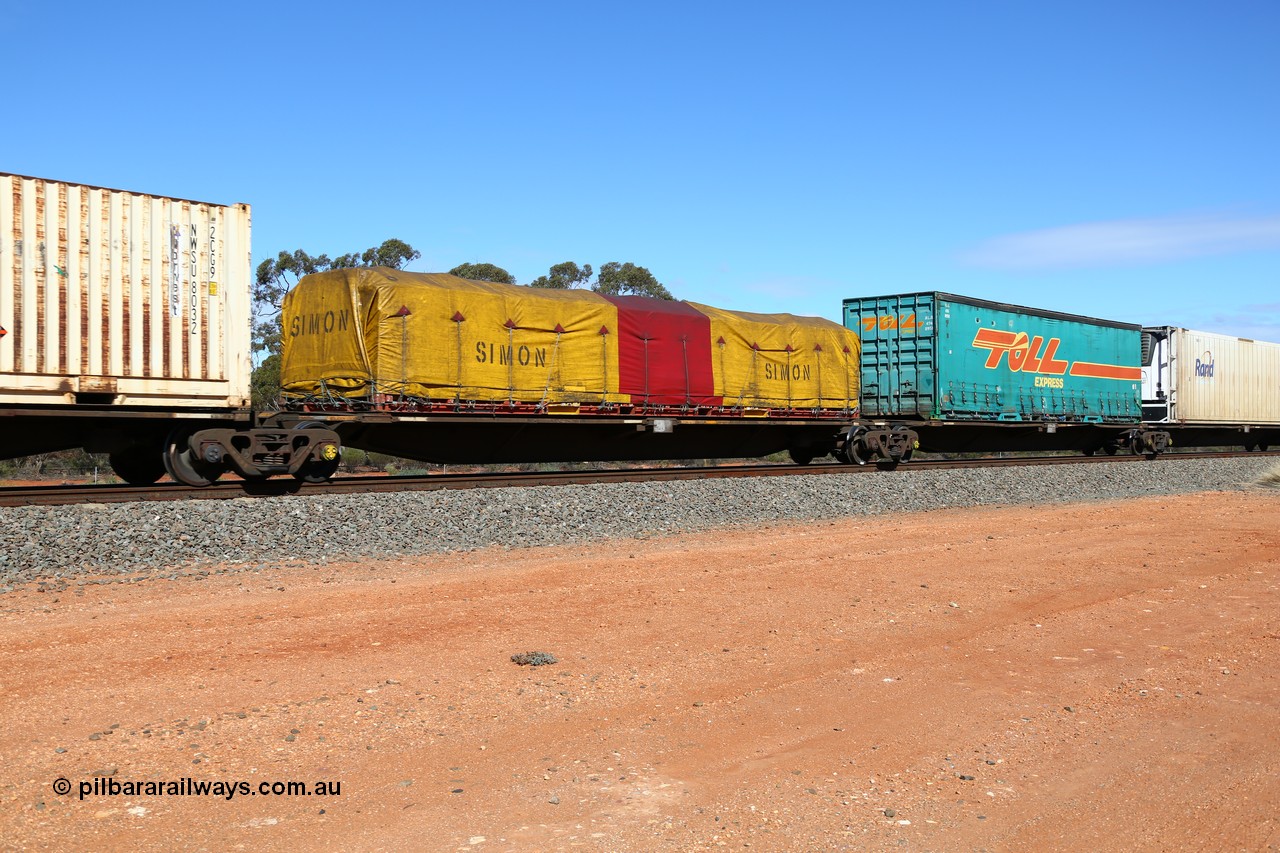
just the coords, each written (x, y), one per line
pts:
(365, 332)
(361, 332)
(783, 361)
(664, 352)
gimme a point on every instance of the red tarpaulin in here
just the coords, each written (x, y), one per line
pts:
(664, 352)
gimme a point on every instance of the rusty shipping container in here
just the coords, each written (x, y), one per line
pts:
(110, 297)
(1191, 377)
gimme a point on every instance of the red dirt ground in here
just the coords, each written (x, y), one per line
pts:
(1079, 677)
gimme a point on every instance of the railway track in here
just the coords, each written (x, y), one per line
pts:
(232, 489)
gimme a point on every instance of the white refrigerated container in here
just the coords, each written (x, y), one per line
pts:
(1191, 377)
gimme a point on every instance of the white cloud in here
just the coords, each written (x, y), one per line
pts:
(1126, 242)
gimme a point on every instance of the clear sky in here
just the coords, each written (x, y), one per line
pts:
(1118, 159)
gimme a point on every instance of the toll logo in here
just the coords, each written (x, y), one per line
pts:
(905, 323)
(1025, 353)
(1204, 365)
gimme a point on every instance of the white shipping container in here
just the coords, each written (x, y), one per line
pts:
(122, 298)
(1193, 377)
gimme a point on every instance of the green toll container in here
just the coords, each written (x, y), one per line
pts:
(938, 356)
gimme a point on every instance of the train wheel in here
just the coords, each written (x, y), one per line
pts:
(1089, 451)
(138, 465)
(801, 455)
(1111, 449)
(322, 470)
(183, 465)
(854, 449)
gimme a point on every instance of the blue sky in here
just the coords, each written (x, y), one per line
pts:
(1117, 159)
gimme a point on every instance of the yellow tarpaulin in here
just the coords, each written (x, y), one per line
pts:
(783, 361)
(356, 332)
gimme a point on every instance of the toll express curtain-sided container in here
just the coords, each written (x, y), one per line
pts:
(945, 357)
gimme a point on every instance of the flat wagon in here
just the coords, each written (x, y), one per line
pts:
(444, 369)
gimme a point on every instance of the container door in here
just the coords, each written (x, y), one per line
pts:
(898, 353)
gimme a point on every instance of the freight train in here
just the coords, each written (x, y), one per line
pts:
(124, 328)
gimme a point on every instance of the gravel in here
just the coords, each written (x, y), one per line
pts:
(107, 543)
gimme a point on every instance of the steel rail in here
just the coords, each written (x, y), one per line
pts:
(280, 486)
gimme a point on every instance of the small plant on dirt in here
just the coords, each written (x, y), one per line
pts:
(1271, 479)
(534, 658)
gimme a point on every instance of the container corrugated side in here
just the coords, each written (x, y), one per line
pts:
(115, 297)
(1224, 379)
(948, 357)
